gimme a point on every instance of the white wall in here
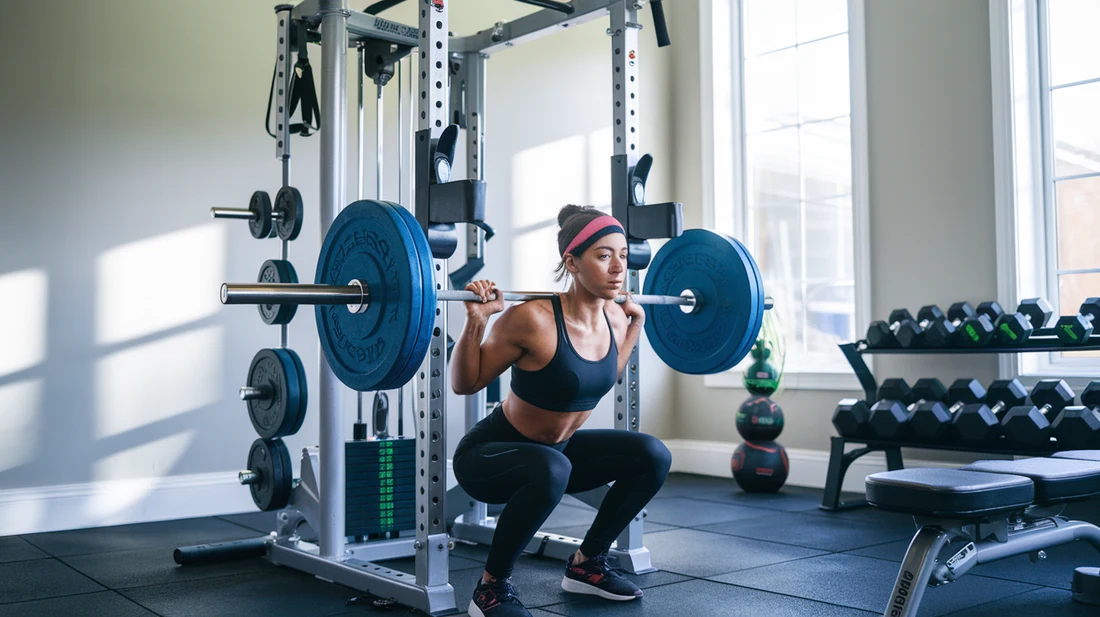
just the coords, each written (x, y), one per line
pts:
(122, 127)
(931, 194)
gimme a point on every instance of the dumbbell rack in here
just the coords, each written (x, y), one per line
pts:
(839, 460)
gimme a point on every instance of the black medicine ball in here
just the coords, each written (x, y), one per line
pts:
(759, 467)
(759, 419)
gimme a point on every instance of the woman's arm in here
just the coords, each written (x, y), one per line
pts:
(475, 364)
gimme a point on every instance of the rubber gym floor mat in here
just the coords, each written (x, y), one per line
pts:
(684, 512)
(698, 598)
(15, 548)
(42, 578)
(1040, 602)
(701, 553)
(578, 531)
(263, 522)
(102, 604)
(281, 592)
(155, 566)
(810, 531)
(889, 551)
(865, 583)
(788, 499)
(169, 534)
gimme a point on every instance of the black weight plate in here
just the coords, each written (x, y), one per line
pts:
(277, 271)
(277, 414)
(260, 223)
(303, 395)
(288, 203)
(724, 324)
(270, 460)
(371, 350)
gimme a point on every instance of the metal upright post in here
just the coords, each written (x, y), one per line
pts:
(283, 70)
(334, 114)
(624, 61)
(474, 72)
(432, 544)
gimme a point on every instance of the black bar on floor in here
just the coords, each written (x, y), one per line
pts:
(220, 551)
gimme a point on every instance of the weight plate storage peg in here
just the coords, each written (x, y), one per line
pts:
(373, 349)
(269, 475)
(720, 329)
(289, 210)
(277, 271)
(276, 393)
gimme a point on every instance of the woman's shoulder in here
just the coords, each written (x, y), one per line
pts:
(526, 315)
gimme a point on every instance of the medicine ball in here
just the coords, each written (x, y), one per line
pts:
(761, 377)
(759, 467)
(759, 419)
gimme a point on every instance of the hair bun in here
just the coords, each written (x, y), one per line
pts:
(569, 211)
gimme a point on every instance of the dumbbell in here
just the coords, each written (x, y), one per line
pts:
(850, 418)
(1078, 428)
(1029, 425)
(1016, 328)
(931, 421)
(978, 423)
(880, 334)
(1076, 329)
(911, 333)
(890, 415)
(942, 333)
(978, 330)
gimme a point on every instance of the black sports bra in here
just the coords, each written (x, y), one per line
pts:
(568, 382)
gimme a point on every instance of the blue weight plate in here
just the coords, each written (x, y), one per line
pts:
(303, 392)
(368, 241)
(423, 338)
(730, 303)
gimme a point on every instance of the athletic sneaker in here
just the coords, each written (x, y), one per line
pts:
(496, 599)
(596, 577)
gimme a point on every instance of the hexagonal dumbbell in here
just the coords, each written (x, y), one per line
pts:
(911, 333)
(850, 418)
(891, 414)
(980, 423)
(978, 330)
(931, 421)
(942, 333)
(880, 334)
(1078, 428)
(1016, 328)
(1076, 329)
(1029, 425)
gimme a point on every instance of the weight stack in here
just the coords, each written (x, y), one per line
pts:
(380, 486)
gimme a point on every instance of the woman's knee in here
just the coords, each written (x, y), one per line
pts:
(656, 452)
(553, 472)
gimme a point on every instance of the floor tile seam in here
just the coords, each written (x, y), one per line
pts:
(242, 525)
(726, 501)
(767, 565)
(63, 595)
(243, 575)
(1002, 599)
(4, 563)
(79, 573)
(733, 535)
(170, 547)
(787, 595)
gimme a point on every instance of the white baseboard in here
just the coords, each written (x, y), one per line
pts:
(121, 502)
(807, 467)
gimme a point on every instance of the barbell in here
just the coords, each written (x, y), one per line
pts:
(703, 297)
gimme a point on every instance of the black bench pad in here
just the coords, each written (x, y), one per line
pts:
(949, 493)
(1080, 455)
(1056, 480)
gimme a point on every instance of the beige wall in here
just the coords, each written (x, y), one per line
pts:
(931, 194)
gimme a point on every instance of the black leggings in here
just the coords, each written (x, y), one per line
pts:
(495, 463)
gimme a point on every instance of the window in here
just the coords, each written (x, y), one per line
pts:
(797, 200)
(1046, 88)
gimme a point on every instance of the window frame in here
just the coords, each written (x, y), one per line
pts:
(722, 113)
(1023, 167)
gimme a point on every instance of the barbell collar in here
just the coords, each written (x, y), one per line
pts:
(248, 477)
(252, 393)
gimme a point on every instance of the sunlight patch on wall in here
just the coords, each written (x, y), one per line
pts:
(159, 283)
(126, 477)
(547, 177)
(22, 320)
(158, 380)
(20, 403)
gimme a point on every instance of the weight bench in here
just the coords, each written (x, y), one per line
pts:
(988, 510)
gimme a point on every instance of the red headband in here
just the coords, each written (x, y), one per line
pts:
(594, 230)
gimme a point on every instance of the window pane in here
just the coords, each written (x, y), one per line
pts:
(771, 165)
(820, 18)
(788, 309)
(771, 91)
(826, 149)
(768, 25)
(777, 241)
(1076, 130)
(828, 242)
(1072, 290)
(1078, 211)
(830, 316)
(823, 79)
(1074, 46)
